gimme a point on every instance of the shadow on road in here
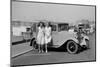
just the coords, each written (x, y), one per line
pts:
(56, 50)
(20, 42)
(64, 50)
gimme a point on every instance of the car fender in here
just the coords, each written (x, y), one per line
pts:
(74, 39)
(84, 40)
(61, 43)
(86, 37)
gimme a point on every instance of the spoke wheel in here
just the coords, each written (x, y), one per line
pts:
(72, 47)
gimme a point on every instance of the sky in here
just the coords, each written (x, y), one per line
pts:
(26, 11)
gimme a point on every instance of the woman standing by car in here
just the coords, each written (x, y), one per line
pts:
(47, 35)
(40, 36)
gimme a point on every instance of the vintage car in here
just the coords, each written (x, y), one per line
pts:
(71, 41)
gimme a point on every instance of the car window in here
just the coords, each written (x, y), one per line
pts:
(54, 28)
(63, 27)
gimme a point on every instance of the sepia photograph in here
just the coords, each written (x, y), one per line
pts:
(52, 33)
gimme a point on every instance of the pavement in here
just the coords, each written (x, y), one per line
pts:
(56, 56)
(19, 49)
(19, 45)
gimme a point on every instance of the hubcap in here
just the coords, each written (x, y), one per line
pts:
(72, 47)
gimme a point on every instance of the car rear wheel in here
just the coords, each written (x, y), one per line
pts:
(33, 44)
(72, 47)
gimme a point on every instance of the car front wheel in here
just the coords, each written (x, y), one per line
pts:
(72, 47)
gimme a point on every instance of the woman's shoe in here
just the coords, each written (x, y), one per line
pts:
(46, 51)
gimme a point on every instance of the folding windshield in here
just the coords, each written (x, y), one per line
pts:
(63, 27)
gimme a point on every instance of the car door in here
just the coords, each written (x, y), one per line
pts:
(59, 36)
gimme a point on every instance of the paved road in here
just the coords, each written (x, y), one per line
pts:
(19, 49)
(56, 56)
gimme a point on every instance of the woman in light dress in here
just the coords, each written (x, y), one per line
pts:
(40, 37)
(47, 35)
